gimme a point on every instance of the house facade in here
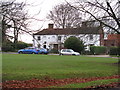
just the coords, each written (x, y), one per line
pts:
(55, 37)
(112, 40)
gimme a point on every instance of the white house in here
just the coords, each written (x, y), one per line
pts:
(54, 37)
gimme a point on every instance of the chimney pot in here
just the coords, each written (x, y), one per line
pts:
(50, 26)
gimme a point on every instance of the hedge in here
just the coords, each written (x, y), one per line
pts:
(21, 45)
(7, 47)
(98, 50)
(10, 46)
(114, 51)
(54, 51)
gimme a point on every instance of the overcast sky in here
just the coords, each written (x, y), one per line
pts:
(44, 6)
(34, 6)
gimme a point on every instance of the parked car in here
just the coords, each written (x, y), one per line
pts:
(28, 50)
(68, 52)
(32, 50)
(43, 51)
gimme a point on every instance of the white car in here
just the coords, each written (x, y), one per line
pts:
(68, 52)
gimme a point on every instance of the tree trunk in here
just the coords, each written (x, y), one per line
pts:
(3, 31)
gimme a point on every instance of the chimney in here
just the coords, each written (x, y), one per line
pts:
(84, 24)
(50, 26)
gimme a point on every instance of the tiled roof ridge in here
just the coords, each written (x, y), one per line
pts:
(80, 30)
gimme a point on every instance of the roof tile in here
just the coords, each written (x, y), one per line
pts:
(69, 31)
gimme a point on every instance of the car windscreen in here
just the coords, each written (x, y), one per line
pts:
(69, 50)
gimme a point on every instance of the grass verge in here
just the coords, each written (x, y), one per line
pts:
(24, 66)
(87, 84)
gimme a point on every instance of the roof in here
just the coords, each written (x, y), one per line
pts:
(70, 31)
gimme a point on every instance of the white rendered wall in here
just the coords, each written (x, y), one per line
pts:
(53, 39)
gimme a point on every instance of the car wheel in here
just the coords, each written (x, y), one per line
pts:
(20, 52)
(61, 54)
(73, 54)
(33, 53)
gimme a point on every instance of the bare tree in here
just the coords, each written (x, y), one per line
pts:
(16, 20)
(13, 18)
(65, 16)
(104, 11)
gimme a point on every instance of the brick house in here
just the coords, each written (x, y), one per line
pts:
(54, 37)
(112, 40)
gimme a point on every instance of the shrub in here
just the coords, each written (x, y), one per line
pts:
(8, 46)
(98, 49)
(114, 51)
(75, 44)
(21, 45)
(119, 50)
(92, 49)
(54, 50)
(86, 53)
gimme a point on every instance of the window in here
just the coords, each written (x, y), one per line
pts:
(69, 50)
(65, 37)
(91, 37)
(44, 46)
(91, 44)
(39, 45)
(44, 36)
(112, 44)
(48, 37)
(45, 42)
(38, 37)
(64, 50)
(53, 36)
(59, 37)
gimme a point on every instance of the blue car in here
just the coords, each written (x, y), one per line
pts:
(29, 50)
(43, 51)
(32, 50)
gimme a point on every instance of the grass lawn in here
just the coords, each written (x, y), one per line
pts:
(24, 66)
(87, 84)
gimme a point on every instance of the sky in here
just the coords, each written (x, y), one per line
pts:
(44, 6)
